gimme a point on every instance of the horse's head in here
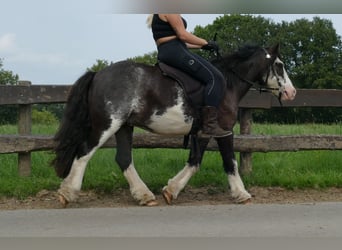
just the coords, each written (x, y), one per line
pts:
(260, 68)
(275, 78)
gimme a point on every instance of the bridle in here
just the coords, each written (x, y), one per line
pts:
(256, 85)
(261, 87)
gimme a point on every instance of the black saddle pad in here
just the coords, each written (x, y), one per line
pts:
(193, 88)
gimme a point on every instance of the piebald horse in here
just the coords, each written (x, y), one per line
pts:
(127, 94)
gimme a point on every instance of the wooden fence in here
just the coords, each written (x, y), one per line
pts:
(24, 143)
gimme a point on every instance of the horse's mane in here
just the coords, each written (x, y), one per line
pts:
(241, 54)
(229, 61)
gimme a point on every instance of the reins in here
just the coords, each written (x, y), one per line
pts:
(254, 85)
(259, 87)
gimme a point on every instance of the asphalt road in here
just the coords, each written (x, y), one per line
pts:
(305, 220)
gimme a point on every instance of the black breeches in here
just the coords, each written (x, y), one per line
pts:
(176, 54)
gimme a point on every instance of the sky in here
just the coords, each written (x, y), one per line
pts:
(45, 43)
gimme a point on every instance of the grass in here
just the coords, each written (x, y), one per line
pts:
(304, 169)
(315, 169)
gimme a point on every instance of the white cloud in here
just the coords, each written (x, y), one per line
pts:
(7, 42)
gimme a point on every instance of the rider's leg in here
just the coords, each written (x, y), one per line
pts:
(176, 54)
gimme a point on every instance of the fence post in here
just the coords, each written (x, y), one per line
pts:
(246, 119)
(24, 128)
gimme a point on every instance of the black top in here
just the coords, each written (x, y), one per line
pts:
(161, 28)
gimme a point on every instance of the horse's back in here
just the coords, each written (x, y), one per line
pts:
(129, 73)
(126, 82)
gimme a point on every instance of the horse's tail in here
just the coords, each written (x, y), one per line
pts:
(75, 126)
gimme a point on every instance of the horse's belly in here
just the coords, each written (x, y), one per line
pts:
(172, 121)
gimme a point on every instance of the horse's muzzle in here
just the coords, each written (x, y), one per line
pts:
(289, 93)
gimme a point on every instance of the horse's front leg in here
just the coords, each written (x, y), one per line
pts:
(178, 182)
(238, 191)
(139, 190)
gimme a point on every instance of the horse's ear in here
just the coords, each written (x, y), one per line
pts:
(274, 50)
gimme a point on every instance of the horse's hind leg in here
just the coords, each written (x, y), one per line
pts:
(138, 188)
(72, 184)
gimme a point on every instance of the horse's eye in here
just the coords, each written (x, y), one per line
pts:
(279, 68)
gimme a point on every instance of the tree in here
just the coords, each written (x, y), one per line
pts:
(99, 65)
(235, 30)
(7, 77)
(149, 58)
(313, 53)
(8, 113)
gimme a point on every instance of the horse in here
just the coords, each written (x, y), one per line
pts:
(126, 94)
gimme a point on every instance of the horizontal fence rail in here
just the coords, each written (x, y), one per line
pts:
(242, 143)
(35, 94)
(24, 143)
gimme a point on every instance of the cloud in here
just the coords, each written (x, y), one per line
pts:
(28, 56)
(16, 54)
(7, 42)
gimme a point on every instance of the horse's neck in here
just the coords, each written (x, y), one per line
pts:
(240, 89)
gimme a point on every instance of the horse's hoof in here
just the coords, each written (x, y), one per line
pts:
(246, 202)
(152, 203)
(63, 201)
(167, 197)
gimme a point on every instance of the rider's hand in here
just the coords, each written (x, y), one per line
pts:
(211, 46)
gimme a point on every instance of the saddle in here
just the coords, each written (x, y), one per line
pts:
(193, 89)
(194, 92)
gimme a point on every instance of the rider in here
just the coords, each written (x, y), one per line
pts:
(173, 43)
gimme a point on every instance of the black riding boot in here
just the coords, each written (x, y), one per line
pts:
(210, 123)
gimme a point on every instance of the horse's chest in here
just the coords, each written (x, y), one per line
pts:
(172, 120)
